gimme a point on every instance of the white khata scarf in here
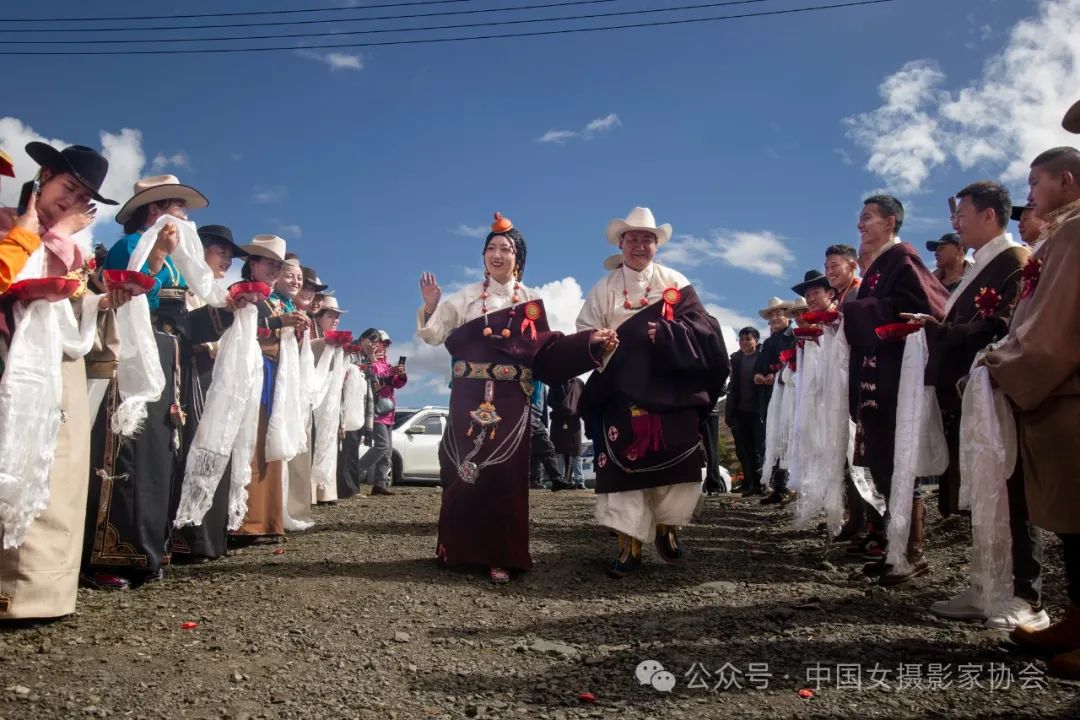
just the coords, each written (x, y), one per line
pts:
(327, 423)
(228, 426)
(987, 459)
(286, 429)
(807, 451)
(352, 413)
(777, 431)
(30, 394)
(138, 374)
(920, 449)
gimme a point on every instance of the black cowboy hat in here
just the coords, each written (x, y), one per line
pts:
(220, 235)
(1017, 211)
(85, 164)
(312, 280)
(812, 278)
(946, 239)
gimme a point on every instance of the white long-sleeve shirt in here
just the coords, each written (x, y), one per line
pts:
(604, 307)
(466, 305)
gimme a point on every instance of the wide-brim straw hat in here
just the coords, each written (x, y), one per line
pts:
(773, 305)
(330, 303)
(266, 246)
(157, 188)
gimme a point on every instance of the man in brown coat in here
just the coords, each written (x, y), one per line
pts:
(976, 315)
(1038, 368)
(896, 281)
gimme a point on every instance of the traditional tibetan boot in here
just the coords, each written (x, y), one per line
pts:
(629, 558)
(668, 545)
(916, 563)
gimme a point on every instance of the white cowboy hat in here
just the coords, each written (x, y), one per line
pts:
(267, 246)
(639, 219)
(797, 305)
(774, 303)
(330, 303)
(160, 187)
(613, 262)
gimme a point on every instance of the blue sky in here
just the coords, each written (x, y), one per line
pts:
(755, 138)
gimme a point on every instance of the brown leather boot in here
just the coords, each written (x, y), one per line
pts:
(916, 535)
(668, 546)
(1061, 636)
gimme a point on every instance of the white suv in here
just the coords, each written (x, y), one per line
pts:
(416, 437)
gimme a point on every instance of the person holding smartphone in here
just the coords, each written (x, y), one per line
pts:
(39, 579)
(56, 205)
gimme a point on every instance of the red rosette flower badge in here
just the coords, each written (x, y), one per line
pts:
(1029, 278)
(671, 298)
(872, 280)
(532, 314)
(987, 301)
(787, 357)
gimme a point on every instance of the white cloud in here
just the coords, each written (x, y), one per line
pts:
(595, 127)
(429, 372)
(123, 151)
(290, 232)
(473, 231)
(559, 137)
(176, 160)
(996, 123)
(563, 300)
(334, 60)
(903, 137)
(761, 252)
(267, 195)
(600, 125)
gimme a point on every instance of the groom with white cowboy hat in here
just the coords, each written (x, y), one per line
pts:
(647, 399)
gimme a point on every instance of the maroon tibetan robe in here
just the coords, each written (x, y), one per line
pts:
(652, 397)
(897, 282)
(485, 452)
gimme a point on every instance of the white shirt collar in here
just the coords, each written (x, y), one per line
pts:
(630, 275)
(883, 248)
(497, 288)
(992, 249)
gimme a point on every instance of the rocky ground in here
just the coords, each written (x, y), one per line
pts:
(354, 620)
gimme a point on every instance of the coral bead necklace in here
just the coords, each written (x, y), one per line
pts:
(644, 301)
(515, 298)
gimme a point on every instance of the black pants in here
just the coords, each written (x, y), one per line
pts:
(1071, 545)
(882, 477)
(544, 461)
(1027, 544)
(710, 433)
(749, 431)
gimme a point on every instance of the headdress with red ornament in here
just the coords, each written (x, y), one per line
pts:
(503, 227)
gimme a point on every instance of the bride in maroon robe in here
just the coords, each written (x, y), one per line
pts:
(497, 334)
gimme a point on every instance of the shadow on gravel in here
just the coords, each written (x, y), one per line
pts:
(792, 664)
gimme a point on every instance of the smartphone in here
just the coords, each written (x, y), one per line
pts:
(952, 207)
(401, 360)
(30, 188)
